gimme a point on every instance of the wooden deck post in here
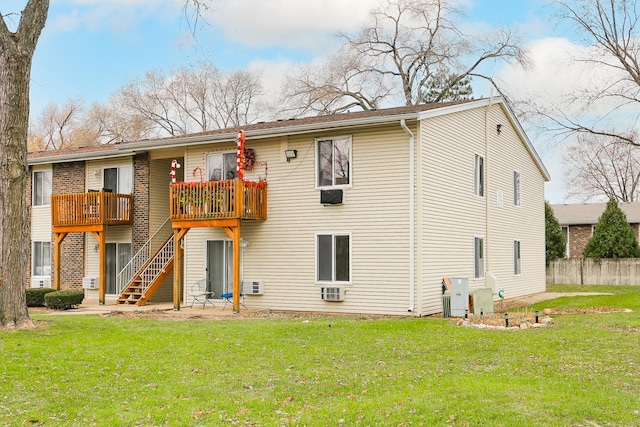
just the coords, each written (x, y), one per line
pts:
(178, 253)
(57, 242)
(236, 269)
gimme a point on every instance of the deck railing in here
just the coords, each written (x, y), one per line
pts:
(230, 199)
(93, 208)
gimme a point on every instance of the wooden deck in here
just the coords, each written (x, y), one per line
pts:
(218, 200)
(84, 211)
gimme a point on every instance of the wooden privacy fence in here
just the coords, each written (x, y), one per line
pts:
(576, 271)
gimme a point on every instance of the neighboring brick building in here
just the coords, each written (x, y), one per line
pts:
(578, 220)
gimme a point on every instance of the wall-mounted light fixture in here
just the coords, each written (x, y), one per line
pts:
(97, 173)
(498, 128)
(290, 154)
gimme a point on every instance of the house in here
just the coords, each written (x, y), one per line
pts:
(361, 212)
(579, 219)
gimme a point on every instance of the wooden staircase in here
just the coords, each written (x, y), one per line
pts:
(146, 279)
(135, 293)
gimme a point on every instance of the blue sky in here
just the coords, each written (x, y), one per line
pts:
(90, 48)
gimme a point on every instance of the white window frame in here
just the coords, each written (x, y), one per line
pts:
(333, 280)
(43, 273)
(479, 176)
(333, 184)
(225, 172)
(45, 188)
(517, 257)
(121, 172)
(516, 188)
(478, 258)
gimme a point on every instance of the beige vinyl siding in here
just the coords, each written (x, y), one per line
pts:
(159, 180)
(282, 250)
(41, 215)
(524, 223)
(450, 215)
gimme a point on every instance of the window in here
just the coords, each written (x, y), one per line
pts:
(565, 232)
(41, 188)
(517, 264)
(333, 258)
(516, 188)
(118, 180)
(334, 162)
(478, 251)
(478, 188)
(41, 259)
(221, 166)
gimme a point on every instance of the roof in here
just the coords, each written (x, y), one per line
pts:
(589, 213)
(285, 127)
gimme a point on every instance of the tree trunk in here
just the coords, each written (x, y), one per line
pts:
(16, 53)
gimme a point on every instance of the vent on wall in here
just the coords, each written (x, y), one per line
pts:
(252, 287)
(89, 283)
(41, 283)
(331, 197)
(332, 294)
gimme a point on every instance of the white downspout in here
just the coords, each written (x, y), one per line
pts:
(412, 196)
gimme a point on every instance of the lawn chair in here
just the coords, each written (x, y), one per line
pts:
(200, 294)
(228, 299)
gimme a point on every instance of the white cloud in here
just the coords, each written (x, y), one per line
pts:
(293, 24)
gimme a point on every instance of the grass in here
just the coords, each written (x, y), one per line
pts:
(326, 371)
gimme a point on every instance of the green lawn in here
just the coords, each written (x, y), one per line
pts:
(326, 371)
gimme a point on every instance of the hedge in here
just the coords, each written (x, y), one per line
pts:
(63, 300)
(35, 296)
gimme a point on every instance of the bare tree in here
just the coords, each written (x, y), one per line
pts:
(406, 44)
(16, 55)
(599, 168)
(193, 99)
(56, 127)
(610, 29)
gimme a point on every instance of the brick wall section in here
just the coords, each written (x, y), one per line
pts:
(579, 235)
(140, 227)
(70, 178)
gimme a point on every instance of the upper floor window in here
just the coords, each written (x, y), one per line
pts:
(41, 188)
(333, 258)
(118, 180)
(516, 188)
(221, 166)
(333, 162)
(478, 188)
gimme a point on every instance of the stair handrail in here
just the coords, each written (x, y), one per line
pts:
(141, 258)
(157, 265)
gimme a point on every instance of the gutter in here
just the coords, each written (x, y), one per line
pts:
(412, 238)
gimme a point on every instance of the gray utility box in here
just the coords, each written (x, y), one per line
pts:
(459, 296)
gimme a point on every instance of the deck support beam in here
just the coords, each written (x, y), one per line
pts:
(57, 242)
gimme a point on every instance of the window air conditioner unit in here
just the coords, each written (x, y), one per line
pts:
(89, 283)
(333, 294)
(331, 197)
(41, 283)
(252, 287)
